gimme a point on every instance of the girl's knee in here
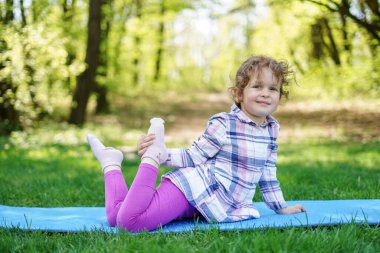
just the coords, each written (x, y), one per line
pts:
(134, 224)
(129, 224)
(111, 216)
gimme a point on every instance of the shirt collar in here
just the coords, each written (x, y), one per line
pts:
(244, 118)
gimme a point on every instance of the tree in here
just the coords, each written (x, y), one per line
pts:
(9, 116)
(68, 25)
(161, 36)
(319, 30)
(137, 43)
(86, 81)
(366, 14)
(101, 91)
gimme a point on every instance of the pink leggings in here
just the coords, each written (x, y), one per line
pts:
(142, 206)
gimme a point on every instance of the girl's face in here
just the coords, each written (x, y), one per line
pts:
(260, 97)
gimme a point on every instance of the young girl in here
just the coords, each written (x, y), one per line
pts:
(217, 176)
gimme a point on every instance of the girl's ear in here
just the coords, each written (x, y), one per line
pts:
(239, 95)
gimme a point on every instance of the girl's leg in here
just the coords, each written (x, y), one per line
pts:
(115, 192)
(147, 208)
(115, 188)
(142, 207)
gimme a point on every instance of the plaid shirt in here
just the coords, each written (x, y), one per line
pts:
(218, 174)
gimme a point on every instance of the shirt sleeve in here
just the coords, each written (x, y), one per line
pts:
(204, 148)
(269, 185)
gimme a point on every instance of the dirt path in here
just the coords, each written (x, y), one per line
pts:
(350, 120)
(186, 116)
(192, 118)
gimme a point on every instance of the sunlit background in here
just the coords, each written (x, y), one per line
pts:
(151, 52)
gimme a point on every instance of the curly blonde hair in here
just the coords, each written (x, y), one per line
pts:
(252, 68)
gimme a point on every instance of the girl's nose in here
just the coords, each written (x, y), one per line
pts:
(265, 93)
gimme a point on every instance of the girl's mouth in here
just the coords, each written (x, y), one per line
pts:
(263, 102)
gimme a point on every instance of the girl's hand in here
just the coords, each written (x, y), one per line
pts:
(292, 209)
(144, 143)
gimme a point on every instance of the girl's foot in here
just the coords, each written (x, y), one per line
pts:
(157, 151)
(109, 158)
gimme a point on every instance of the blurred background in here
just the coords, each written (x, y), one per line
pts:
(72, 66)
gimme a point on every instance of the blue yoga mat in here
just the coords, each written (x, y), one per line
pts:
(76, 219)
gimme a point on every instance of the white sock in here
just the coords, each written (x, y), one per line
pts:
(109, 158)
(157, 151)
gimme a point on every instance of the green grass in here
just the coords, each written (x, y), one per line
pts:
(347, 238)
(48, 171)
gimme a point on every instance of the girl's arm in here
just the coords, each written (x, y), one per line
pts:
(270, 186)
(271, 191)
(205, 147)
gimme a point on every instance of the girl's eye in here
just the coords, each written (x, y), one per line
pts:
(274, 89)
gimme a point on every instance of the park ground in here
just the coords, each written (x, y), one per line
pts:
(328, 150)
(186, 117)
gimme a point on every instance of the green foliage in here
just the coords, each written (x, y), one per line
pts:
(339, 82)
(199, 50)
(35, 63)
(287, 31)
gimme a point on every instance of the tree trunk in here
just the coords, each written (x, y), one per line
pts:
(9, 116)
(137, 55)
(31, 85)
(136, 61)
(346, 41)
(296, 62)
(331, 47)
(316, 40)
(22, 9)
(358, 15)
(65, 7)
(102, 104)
(68, 10)
(125, 14)
(8, 11)
(35, 11)
(161, 36)
(86, 81)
